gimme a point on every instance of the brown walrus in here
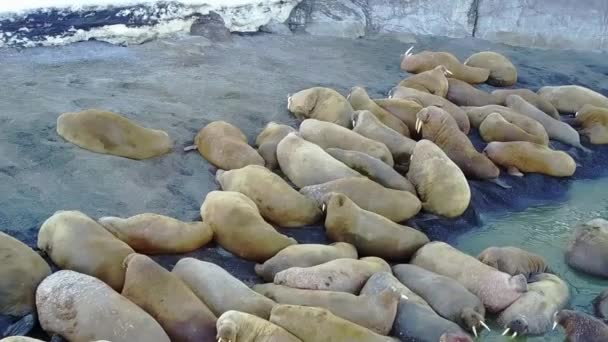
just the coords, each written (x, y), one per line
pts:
(571, 98)
(372, 234)
(527, 157)
(496, 128)
(587, 249)
(268, 140)
(502, 72)
(236, 326)
(530, 96)
(109, 133)
(433, 81)
(428, 100)
(239, 228)
(166, 298)
(322, 104)
(594, 123)
(360, 100)
(463, 94)
(225, 146)
(405, 110)
(581, 327)
(427, 60)
(439, 127)
(513, 261)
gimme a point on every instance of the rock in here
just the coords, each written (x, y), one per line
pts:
(337, 18)
(276, 27)
(211, 26)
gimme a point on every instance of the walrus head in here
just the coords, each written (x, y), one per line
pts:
(443, 69)
(226, 331)
(432, 119)
(519, 326)
(473, 319)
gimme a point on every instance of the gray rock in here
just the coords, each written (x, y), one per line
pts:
(212, 27)
(276, 27)
(337, 18)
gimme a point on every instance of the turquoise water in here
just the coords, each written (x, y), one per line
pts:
(545, 230)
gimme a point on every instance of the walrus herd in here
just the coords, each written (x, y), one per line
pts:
(361, 167)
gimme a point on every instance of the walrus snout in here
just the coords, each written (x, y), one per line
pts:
(519, 326)
(421, 118)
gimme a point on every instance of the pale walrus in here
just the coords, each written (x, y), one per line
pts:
(312, 324)
(373, 169)
(439, 127)
(109, 133)
(441, 185)
(594, 123)
(433, 81)
(268, 140)
(345, 275)
(278, 201)
(381, 281)
(427, 60)
(556, 129)
(600, 305)
(580, 327)
(360, 100)
(532, 314)
(157, 234)
(76, 242)
(372, 234)
(166, 298)
(305, 163)
(368, 125)
(537, 132)
(587, 250)
(235, 326)
(463, 94)
(220, 290)
(395, 205)
(520, 157)
(225, 146)
(530, 96)
(405, 110)
(322, 104)
(571, 98)
(502, 72)
(327, 135)
(304, 255)
(513, 261)
(431, 100)
(82, 308)
(496, 128)
(375, 311)
(497, 290)
(239, 228)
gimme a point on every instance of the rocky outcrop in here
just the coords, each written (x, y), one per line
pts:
(339, 18)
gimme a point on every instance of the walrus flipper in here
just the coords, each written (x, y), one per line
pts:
(22, 327)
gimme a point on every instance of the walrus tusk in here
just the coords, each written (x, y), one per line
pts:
(288, 101)
(189, 148)
(554, 325)
(354, 122)
(483, 324)
(576, 114)
(418, 125)
(448, 72)
(506, 331)
(404, 297)
(408, 52)
(323, 207)
(514, 335)
(474, 331)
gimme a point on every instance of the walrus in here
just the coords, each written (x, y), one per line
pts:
(594, 123)
(431, 100)
(600, 305)
(527, 157)
(432, 81)
(21, 272)
(556, 129)
(305, 163)
(405, 110)
(571, 98)
(166, 298)
(220, 290)
(395, 205)
(447, 297)
(373, 169)
(278, 201)
(536, 131)
(76, 242)
(513, 261)
(427, 60)
(109, 133)
(496, 128)
(327, 135)
(581, 327)
(311, 324)
(345, 275)
(502, 72)
(438, 126)
(360, 100)
(368, 125)
(415, 319)
(497, 290)
(375, 311)
(83, 308)
(587, 249)
(304, 255)
(463, 94)
(268, 140)
(322, 104)
(20, 339)
(440, 184)
(531, 97)
(532, 314)
(225, 146)
(157, 234)
(236, 326)
(239, 228)
(370, 233)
